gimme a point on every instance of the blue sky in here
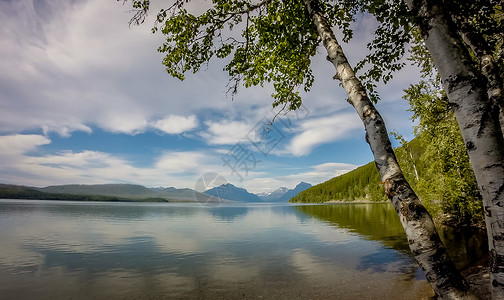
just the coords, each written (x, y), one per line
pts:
(85, 99)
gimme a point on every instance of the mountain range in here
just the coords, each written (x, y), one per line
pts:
(100, 192)
(133, 192)
(273, 196)
(302, 186)
(231, 192)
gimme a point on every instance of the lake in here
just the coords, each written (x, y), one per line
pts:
(94, 250)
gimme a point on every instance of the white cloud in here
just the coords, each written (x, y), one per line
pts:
(323, 172)
(314, 175)
(12, 150)
(69, 159)
(63, 130)
(23, 163)
(79, 65)
(174, 124)
(21, 166)
(227, 132)
(127, 122)
(18, 144)
(175, 162)
(315, 132)
(336, 168)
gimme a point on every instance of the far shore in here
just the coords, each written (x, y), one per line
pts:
(363, 201)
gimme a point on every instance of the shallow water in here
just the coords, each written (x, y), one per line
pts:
(89, 250)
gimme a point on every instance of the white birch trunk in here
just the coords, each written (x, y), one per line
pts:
(488, 66)
(478, 119)
(414, 166)
(423, 238)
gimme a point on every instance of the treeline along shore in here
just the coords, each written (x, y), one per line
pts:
(442, 180)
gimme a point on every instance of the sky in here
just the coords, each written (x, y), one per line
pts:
(85, 99)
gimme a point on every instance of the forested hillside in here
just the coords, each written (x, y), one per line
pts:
(361, 183)
(435, 163)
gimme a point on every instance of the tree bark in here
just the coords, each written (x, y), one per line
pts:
(423, 238)
(478, 119)
(485, 59)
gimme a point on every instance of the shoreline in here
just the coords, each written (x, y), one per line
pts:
(359, 201)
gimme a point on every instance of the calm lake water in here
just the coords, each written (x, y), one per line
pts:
(88, 250)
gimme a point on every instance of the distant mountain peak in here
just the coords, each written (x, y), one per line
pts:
(283, 194)
(303, 184)
(231, 192)
(162, 188)
(274, 195)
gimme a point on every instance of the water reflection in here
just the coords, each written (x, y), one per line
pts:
(228, 214)
(60, 250)
(379, 222)
(466, 246)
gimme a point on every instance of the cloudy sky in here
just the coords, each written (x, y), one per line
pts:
(85, 99)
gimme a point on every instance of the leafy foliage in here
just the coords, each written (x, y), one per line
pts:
(447, 183)
(483, 20)
(387, 49)
(435, 164)
(273, 41)
(480, 23)
(275, 44)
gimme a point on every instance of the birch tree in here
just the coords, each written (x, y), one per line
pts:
(276, 44)
(473, 96)
(464, 40)
(480, 24)
(423, 239)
